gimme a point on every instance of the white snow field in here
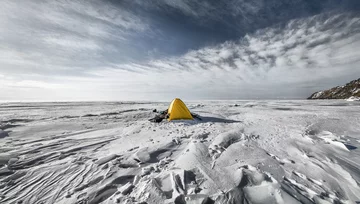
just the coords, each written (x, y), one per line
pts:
(240, 152)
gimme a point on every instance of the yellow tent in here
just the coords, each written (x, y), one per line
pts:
(178, 111)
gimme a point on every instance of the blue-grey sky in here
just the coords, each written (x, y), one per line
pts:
(161, 49)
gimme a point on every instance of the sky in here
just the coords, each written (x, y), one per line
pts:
(161, 49)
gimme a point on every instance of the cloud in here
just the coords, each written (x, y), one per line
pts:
(37, 36)
(76, 44)
(128, 50)
(30, 84)
(304, 52)
(242, 16)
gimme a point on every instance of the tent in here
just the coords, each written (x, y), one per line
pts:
(178, 111)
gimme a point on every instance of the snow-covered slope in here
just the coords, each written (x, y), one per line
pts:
(351, 92)
(240, 152)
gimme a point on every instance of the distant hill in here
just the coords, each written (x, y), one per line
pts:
(350, 91)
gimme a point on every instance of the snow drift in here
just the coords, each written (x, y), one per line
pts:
(251, 152)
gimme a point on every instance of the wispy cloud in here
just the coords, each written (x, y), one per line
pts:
(76, 44)
(63, 33)
(305, 51)
(161, 49)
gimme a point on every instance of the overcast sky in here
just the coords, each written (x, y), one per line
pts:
(161, 49)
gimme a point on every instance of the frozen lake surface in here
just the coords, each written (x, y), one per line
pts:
(240, 152)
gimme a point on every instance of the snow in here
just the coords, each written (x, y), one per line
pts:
(318, 94)
(108, 152)
(353, 98)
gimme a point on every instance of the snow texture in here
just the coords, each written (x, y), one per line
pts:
(251, 152)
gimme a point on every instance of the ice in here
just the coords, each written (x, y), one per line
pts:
(251, 152)
(3, 134)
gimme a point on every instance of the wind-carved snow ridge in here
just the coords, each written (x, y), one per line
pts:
(224, 140)
(269, 152)
(254, 187)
